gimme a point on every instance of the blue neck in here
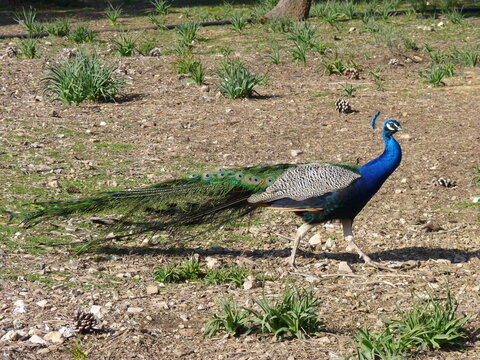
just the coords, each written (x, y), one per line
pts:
(376, 171)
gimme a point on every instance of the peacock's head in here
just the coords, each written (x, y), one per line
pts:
(390, 127)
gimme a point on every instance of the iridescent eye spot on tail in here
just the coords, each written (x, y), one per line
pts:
(256, 181)
(239, 176)
(221, 175)
(270, 181)
(230, 174)
(193, 176)
(220, 170)
(207, 176)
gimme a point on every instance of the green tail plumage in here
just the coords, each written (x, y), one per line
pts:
(209, 198)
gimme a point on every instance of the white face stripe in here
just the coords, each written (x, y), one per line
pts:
(391, 127)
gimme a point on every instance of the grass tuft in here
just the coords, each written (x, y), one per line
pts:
(239, 22)
(28, 48)
(81, 78)
(28, 19)
(236, 81)
(124, 45)
(113, 13)
(188, 33)
(228, 274)
(60, 27)
(231, 320)
(81, 34)
(186, 270)
(161, 6)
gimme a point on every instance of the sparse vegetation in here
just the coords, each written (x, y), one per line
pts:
(228, 274)
(29, 49)
(28, 19)
(81, 78)
(81, 34)
(60, 27)
(124, 44)
(231, 320)
(239, 22)
(187, 33)
(236, 81)
(113, 13)
(161, 6)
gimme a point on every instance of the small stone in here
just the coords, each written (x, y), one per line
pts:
(212, 263)
(417, 58)
(315, 240)
(35, 339)
(48, 43)
(103, 123)
(41, 303)
(344, 268)
(66, 332)
(352, 29)
(54, 337)
(441, 24)
(204, 88)
(152, 289)
(329, 243)
(12, 335)
(295, 153)
(251, 283)
(98, 311)
(149, 124)
(19, 307)
(134, 310)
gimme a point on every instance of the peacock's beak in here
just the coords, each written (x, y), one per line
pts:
(399, 128)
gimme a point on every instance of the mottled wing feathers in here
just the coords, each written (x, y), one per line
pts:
(307, 181)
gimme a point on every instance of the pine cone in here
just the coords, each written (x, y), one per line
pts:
(343, 106)
(441, 181)
(84, 322)
(11, 51)
(394, 62)
(352, 73)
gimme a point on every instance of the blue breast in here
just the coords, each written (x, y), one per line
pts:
(346, 204)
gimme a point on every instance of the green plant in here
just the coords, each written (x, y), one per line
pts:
(348, 9)
(226, 51)
(60, 28)
(188, 33)
(410, 44)
(161, 6)
(156, 20)
(27, 18)
(228, 274)
(28, 48)
(349, 90)
(81, 78)
(185, 62)
(337, 66)
(196, 71)
(466, 56)
(384, 345)
(173, 273)
(147, 45)
(281, 24)
(294, 315)
(455, 16)
(274, 56)
(124, 44)
(370, 24)
(231, 320)
(113, 13)
(82, 33)
(434, 323)
(236, 81)
(299, 53)
(420, 6)
(389, 37)
(303, 34)
(239, 22)
(438, 57)
(436, 73)
(76, 350)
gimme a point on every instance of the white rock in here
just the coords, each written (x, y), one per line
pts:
(329, 243)
(20, 307)
(315, 240)
(42, 303)
(134, 310)
(295, 153)
(343, 267)
(352, 29)
(152, 289)
(212, 263)
(35, 339)
(103, 123)
(98, 311)
(12, 335)
(66, 332)
(54, 337)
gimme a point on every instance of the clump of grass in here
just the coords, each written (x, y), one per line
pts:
(348, 9)
(81, 34)
(187, 33)
(185, 60)
(161, 6)
(147, 45)
(28, 48)
(113, 13)
(281, 24)
(370, 24)
(389, 37)
(274, 56)
(295, 314)
(430, 324)
(337, 66)
(236, 81)
(28, 19)
(410, 44)
(239, 22)
(303, 34)
(186, 270)
(299, 53)
(197, 73)
(156, 20)
(437, 73)
(466, 56)
(228, 274)
(420, 6)
(124, 44)
(81, 78)
(60, 27)
(231, 320)
(455, 16)
(349, 90)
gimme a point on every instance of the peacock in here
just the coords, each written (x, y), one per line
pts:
(316, 192)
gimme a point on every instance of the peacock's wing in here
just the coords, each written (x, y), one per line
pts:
(308, 181)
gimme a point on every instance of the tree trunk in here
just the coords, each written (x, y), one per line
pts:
(295, 9)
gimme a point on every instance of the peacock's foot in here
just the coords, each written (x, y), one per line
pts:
(366, 258)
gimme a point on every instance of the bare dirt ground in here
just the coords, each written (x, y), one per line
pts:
(166, 126)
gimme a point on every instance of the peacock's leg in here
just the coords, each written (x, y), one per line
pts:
(348, 235)
(301, 231)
